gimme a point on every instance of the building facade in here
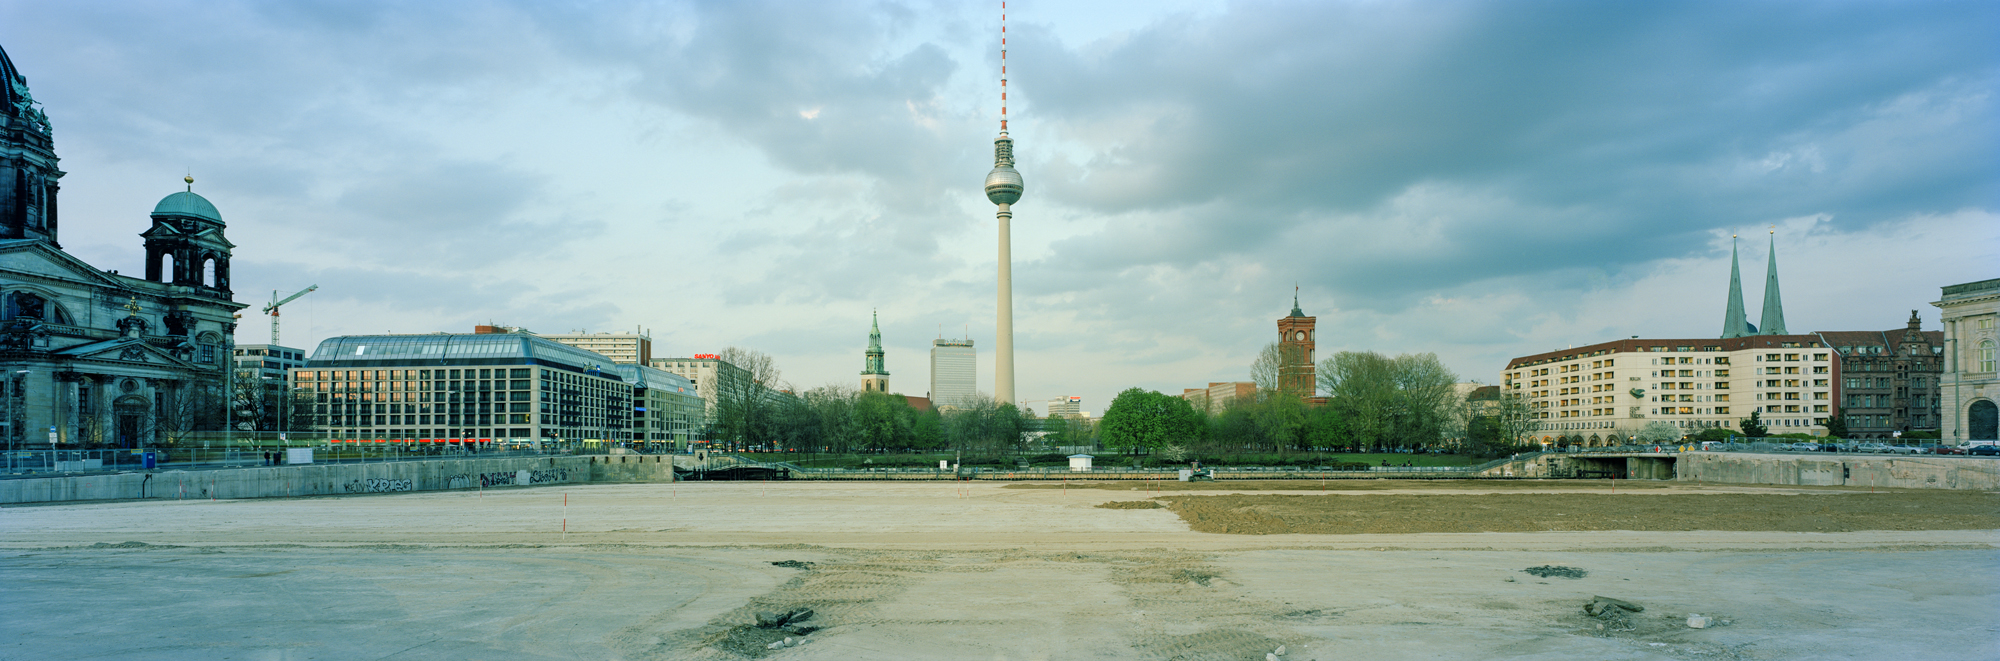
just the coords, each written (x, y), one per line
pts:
(666, 409)
(1219, 394)
(1065, 407)
(621, 348)
(88, 357)
(1602, 394)
(705, 371)
(954, 372)
(478, 387)
(874, 372)
(1971, 385)
(1889, 379)
(263, 385)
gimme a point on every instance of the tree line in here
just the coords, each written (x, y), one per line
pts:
(1373, 403)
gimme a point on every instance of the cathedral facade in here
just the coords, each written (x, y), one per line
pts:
(90, 358)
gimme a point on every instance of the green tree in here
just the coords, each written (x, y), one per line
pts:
(1362, 386)
(1144, 419)
(1753, 426)
(1836, 424)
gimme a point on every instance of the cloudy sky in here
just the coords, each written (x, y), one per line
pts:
(1477, 179)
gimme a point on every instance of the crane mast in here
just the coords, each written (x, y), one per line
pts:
(272, 309)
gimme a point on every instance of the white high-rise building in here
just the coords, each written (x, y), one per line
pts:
(954, 372)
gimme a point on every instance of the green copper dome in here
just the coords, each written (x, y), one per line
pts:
(186, 203)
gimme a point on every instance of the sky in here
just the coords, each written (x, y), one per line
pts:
(1479, 180)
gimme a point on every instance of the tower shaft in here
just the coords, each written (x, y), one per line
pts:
(1003, 343)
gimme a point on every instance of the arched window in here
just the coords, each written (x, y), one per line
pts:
(1986, 355)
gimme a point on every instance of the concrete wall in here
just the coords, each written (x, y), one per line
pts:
(1902, 472)
(631, 468)
(309, 480)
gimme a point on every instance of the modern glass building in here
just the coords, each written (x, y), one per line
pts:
(482, 388)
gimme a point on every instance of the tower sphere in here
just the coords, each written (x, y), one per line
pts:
(1003, 185)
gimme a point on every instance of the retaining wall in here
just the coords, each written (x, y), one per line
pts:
(632, 468)
(1903, 472)
(315, 479)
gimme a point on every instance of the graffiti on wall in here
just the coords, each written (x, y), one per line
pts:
(379, 485)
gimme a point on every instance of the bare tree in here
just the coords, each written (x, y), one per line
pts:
(1275, 368)
(1514, 417)
(746, 383)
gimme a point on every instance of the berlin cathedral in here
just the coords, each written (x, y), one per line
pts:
(90, 358)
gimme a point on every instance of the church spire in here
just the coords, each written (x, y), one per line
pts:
(1733, 323)
(1296, 312)
(1772, 322)
(874, 374)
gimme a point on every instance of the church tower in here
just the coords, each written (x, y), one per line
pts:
(874, 376)
(1295, 334)
(28, 171)
(1772, 322)
(1733, 323)
(186, 247)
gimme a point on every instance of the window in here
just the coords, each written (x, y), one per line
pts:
(1986, 349)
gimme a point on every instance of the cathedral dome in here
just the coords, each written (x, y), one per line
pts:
(186, 203)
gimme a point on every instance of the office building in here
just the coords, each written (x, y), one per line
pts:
(622, 348)
(263, 385)
(485, 387)
(954, 373)
(1219, 395)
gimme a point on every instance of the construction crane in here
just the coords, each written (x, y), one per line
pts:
(272, 309)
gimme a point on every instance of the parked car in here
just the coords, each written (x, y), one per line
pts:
(1877, 448)
(1947, 449)
(1984, 451)
(1905, 449)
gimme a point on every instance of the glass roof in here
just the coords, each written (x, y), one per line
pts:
(445, 347)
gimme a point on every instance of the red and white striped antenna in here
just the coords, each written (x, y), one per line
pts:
(1003, 67)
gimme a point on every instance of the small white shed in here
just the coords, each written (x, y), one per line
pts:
(1080, 463)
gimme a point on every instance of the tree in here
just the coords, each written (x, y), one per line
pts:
(1362, 386)
(1425, 399)
(1406, 401)
(1753, 426)
(1144, 419)
(1274, 363)
(744, 385)
(1514, 418)
(1658, 432)
(986, 426)
(1836, 424)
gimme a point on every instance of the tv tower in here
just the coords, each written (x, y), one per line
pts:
(1003, 188)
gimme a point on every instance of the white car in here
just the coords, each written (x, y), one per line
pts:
(1872, 447)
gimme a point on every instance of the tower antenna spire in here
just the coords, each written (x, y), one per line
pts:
(1003, 189)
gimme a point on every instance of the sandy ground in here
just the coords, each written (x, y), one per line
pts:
(962, 571)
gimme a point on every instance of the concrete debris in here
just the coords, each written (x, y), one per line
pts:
(788, 621)
(794, 564)
(1270, 657)
(1280, 651)
(1558, 571)
(1601, 606)
(1696, 621)
(774, 645)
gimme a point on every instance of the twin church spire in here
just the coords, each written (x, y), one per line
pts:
(1773, 317)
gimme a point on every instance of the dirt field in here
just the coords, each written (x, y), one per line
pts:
(983, 571)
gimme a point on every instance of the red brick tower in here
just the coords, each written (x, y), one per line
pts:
(1295, 332)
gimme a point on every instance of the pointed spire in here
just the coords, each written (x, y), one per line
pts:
(1733, 324)
(875, 330)
(1296, 312)
(1772, 321)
